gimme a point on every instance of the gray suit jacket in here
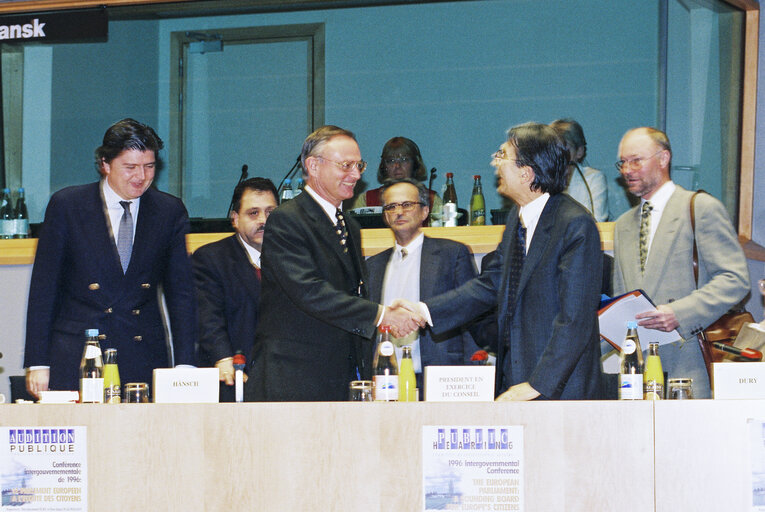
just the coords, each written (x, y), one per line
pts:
(668, 278)
(444, 265)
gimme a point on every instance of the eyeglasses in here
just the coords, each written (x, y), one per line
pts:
(635, 163)
(397, 160)
(347, 167)
(501, 155)
(406, 206)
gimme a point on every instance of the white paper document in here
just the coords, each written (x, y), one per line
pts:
(614, 316)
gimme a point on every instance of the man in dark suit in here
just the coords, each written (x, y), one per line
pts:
(227, 277)
(417, 268)
(545, 278)
(106, 251)
(314, 312)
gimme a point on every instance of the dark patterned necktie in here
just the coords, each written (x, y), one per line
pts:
(516, 263)
(341, 230)
(645, 233)
(125, 236)
(404, 253)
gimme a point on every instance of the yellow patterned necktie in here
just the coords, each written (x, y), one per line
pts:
(645, 233)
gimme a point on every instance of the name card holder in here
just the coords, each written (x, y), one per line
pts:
(738, 380)
(186, 385)
(459, 383)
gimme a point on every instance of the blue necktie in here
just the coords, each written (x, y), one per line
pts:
(125, 236)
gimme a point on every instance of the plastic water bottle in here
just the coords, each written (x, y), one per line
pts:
(298, 188)
(286, 192)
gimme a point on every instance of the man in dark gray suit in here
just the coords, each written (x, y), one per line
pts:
(314, 310)
(418, 268)
(545, 278)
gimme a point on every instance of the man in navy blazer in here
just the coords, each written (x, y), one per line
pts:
(545, 278)
(82, 280)
(227, 277)
(420, 267)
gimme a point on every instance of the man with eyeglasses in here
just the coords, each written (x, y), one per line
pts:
(314, 311)
(653, 252)
(544, 278)
(417, 268)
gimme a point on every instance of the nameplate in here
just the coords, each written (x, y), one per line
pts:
(59, 397)
(459, 383)
(738, 380)
(186, 385)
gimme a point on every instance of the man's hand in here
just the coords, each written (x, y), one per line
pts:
(519, 392)
(406, 304)
(37, 380)
(402, 321)
(663, 319)
(226, 371)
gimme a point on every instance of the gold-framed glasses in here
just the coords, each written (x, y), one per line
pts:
(348, 166)
(635, 163)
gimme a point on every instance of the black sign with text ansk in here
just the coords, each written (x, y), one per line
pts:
(55, 27)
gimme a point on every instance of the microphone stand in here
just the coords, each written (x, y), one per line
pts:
(289, 174)
(242, 177)
(430, 193)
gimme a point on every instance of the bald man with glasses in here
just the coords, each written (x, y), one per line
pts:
(653, 252)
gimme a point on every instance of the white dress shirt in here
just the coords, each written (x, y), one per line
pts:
(402, 280)
(115, 210)
(252, 252)
(530, 213)
(659, 202)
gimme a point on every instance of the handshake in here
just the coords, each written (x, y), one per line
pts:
(404, 317)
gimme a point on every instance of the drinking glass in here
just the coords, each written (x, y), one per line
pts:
(136, 393)
(360, 391)
(680, 388)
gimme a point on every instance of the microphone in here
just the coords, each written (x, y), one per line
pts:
(242, 177)
(290, 173)
(430, 192)
(239, 363)
(746, 353)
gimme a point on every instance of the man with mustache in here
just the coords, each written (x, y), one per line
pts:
(227, 278)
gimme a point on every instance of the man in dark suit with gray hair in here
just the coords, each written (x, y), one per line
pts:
(314, 312)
